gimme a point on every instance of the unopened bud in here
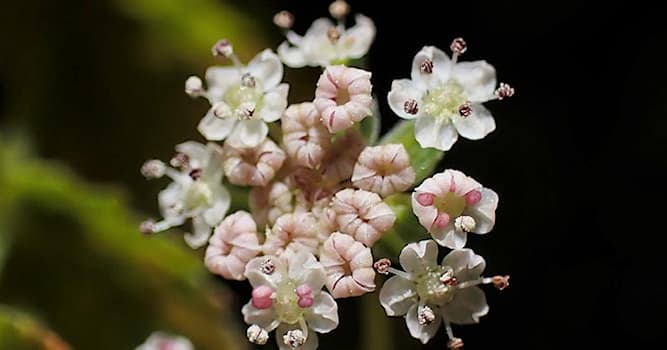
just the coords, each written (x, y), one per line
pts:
(223, 48)
(283, 19)
(257, 335)
(194, 86)
(458, 46)
(153, 169)
(339, 9)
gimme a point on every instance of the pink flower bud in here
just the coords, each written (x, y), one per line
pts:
(362, 214)
(296, 231)
(233, 244)
(268, 203)
(305, 139)
(254, 166)
(384, 170)
(348, 265)
(343, 97)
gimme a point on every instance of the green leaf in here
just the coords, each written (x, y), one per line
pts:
(424, 160)
(21, 331)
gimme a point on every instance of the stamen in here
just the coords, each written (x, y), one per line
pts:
(501, 282)
(147, 226)
(180, 160)
(400, 273)
(245, 111)
(261, 297)
(195, 174)
(458, 46)
(382, 266)
(333, 34)
(194, 86)
(247, 80)
(465, 109)
(504, 91)
(426, 66)
(410, 106)
(448, 278)
(223, 48)
(267, 266)
(425, 316)
(294, 338)
(283, 19)
(448, 329)
(339, 9)
(221, 110)
(465, 223)
(455, 344)
(257, 335)
(153, 169)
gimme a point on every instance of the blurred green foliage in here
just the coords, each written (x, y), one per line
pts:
(77, 260)
(20, 331)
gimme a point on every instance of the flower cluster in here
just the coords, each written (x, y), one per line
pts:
(320, 189)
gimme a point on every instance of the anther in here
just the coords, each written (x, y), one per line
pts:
(247, 80)
(464, 223)
(257, 335)
(221, 110)
(458, 46)
(153, 169)
(267, 266)
(245, 111)
(283, 19)
(179, 160)
(504, 91)
(333, 34)
(425, 316)
(410, 106)
(294, 338)
(426, 66)
(501, 282)
(147, 226)
(223, 48)
(465, 109)
(339, 9)
(194, 86)
(382, 266)
(455, 344)
(448, 278)
(195, 174)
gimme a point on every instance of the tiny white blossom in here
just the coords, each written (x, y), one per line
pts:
(445, 97)
(451, 204)
(244, 99)
(326, 43)
(163, 341)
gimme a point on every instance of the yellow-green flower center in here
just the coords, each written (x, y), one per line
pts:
(431, 289)
(444, 101)
(238, 96)
(286, 302)
(197, 195)
(451, 204)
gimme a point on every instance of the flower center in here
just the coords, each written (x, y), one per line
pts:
(451, 204)
(342, 96)
(198, 195)
(286, 302)
(242, 97)
(444, 101)
(431, 287)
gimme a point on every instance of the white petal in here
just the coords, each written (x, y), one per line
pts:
(416, 257)
(449, 237)
(484, 212)
(433, 132)
(261, 317)
(253, 271)
(403, 90)
(214, 128)
(275, 102)
(466, 263)
(216, 213)
(478, 79)
(318, 30)
(200, 235)
(397, 295)
(358, 38)
(219, 79)
(441, 67)
(195, 151)
(311, 342)
(322, 317)
(468, 306)
(249, 133)
(305, 269)
(477, 125)
(292, 56)
(426, 332)
(266, 67)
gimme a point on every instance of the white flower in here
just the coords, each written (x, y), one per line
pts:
(427, 293)
(445, 98)
(244, 99)
(163, 341)
(326, 43)
(451, 204)
(343, 97)
(196, 192)
(288, 297)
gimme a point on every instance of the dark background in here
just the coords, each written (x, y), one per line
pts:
(577, 156)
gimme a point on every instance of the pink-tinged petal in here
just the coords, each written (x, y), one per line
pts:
(460, 183)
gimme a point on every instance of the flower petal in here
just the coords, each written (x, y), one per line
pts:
(397, 295)
(449, 237)
(201, 232)
(478, 79)
(323, 316)
(401, 91)
(275, 102)
(466, 264)
(441, 67)
(266, 67)
(358, 39)
(261, 317)
(477, 125)
(249, 133)
(418, 256)
(291, 56)
(433, 132)
(426, 332)
(468, 306)
(484, 212)
(216, 213)
(214, 128)
(305, 269)
(219, 79)
(253, 271)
